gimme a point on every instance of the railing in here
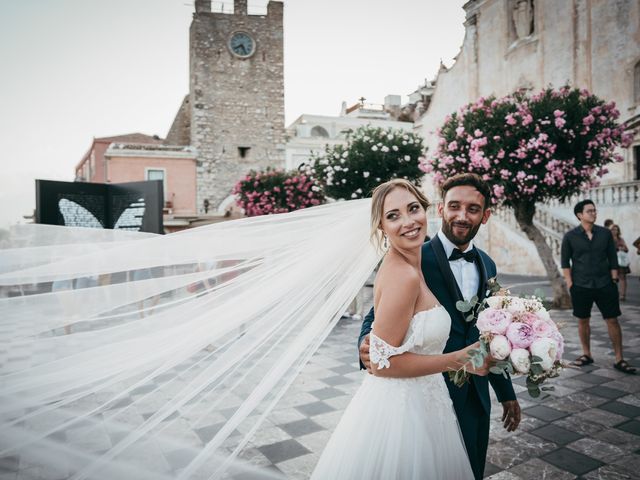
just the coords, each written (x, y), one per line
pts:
(613, 194)
(554, 227)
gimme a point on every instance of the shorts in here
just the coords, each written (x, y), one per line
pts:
(606, 299)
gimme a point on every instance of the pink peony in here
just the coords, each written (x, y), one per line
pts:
(520, 360)
(500, 347)
(526, 317)
(494, 321)
(520, 335)
(547, 350)
(542, 329)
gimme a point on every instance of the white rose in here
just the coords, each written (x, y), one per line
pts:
(365, 174)
(544, 315)
(520, 360)
(345, 154)
(353, 195)
(315, 188)
(384, 149)
(344, 180)
(359, 191)
(395, 148)
(407, 158)
(500, 347)
(546, 349)
(496, 301)
(515, 305)
(374, 148)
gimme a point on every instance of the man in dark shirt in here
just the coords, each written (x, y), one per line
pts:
(590, 268)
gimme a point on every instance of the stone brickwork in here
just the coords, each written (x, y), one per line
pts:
(236, 104)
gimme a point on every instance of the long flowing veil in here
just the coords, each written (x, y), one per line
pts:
(132, 356)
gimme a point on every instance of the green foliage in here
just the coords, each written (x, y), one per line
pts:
(370, 157)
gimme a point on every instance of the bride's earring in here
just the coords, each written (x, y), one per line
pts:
(386, 241)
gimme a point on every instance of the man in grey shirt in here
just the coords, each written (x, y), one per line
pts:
(590, 268)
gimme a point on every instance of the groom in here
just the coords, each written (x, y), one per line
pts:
(454, 270)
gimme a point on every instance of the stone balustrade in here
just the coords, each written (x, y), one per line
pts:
(613, 194)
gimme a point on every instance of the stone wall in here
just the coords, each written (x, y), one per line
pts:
(589, 44)
(237, 104)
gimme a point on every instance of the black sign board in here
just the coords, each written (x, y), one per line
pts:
(133, 206)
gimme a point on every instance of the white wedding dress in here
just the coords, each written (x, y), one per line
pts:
(400, 428)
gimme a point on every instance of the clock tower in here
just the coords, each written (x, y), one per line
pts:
(234, 113)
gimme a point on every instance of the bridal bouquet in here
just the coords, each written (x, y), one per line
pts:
(520, 335)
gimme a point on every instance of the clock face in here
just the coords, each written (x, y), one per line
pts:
(242, 45)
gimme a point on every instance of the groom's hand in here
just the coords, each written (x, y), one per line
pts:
(364, 353)
(510, 415)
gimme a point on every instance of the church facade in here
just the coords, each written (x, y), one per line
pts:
(533, 44)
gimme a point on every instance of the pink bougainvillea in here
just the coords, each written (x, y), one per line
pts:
(276, 191)
(552, 144)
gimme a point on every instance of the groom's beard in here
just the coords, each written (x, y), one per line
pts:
(447, 229)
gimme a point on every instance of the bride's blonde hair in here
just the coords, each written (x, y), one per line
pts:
(377, 205)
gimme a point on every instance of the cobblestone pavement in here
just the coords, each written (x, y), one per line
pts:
(588, 428)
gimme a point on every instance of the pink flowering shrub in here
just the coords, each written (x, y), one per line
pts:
(276, 191)
(530, 148)
(370, 157)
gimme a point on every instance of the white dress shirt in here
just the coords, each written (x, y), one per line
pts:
(466, 273)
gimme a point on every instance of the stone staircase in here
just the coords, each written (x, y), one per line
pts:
(620, 202)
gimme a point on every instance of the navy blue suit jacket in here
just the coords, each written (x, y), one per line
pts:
(440, 280)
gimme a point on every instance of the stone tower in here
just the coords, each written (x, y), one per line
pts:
(234, 113)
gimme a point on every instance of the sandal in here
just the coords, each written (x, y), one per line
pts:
(582, 360)
(624, 367)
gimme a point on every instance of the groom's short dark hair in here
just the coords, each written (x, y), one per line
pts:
(470, 180)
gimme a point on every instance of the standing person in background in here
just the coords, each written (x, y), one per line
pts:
(590, 268)
(607, 223)
(623, 260)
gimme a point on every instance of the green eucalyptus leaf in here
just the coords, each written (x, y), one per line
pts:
(474, 299)
(470, 318)
(535, 359)
(534, 392)
(497, 370)
(537, 369)
(548, 389)
(463, 306)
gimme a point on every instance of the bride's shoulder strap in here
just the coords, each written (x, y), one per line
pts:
(380, 351)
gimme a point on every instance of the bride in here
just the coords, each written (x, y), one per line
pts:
(168, 375)
(401, 423)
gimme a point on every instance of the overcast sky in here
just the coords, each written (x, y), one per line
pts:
(77, 69)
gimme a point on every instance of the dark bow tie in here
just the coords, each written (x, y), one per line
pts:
(469, 256)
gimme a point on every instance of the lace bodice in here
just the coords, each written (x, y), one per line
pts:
(427, 334)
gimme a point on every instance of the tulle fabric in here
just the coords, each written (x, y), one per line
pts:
(137, 356)
(403, 429)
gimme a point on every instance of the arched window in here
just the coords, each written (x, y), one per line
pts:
(319, 131)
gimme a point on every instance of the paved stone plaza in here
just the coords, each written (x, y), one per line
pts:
(589, 428)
